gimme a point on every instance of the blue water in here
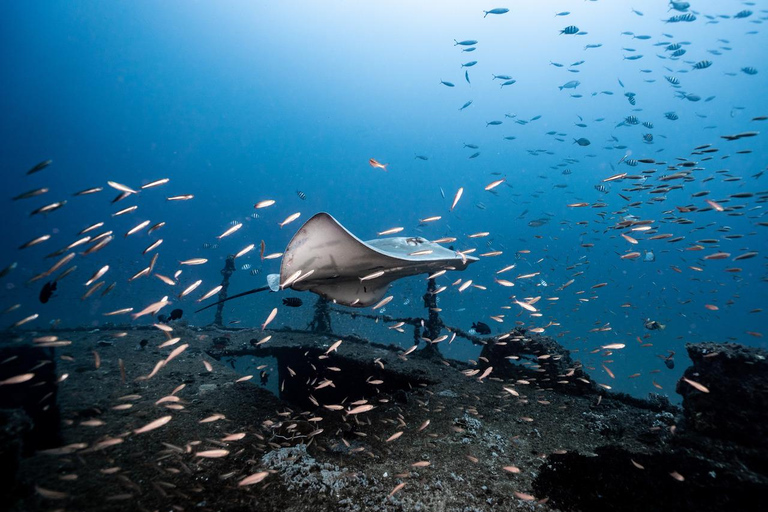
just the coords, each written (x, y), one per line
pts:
(237, 102)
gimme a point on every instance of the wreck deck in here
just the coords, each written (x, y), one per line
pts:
(467, 443)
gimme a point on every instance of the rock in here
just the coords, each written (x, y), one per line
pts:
(15, 425)
(736, 407)
(206, 388)
(37, 397)
(611, 482)
(554, 363)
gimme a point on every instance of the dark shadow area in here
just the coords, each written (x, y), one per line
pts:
(611, 482)
(356, 376)
(33, 402)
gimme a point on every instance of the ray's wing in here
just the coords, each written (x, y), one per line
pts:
(338, 260)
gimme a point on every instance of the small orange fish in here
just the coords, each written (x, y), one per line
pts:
(397, 488)
(629, 238)
(271, 317)
(377, 165)
(696, 385)
(212, 454)
(394, 436)
(18, 379)
(253, 479)
(360, 408)
(153, 425)
(717, 207)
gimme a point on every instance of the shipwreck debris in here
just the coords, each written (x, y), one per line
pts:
(226, 272)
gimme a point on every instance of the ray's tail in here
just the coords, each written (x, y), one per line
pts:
(243, 294)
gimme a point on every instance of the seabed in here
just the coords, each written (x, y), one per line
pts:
(552, 440)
